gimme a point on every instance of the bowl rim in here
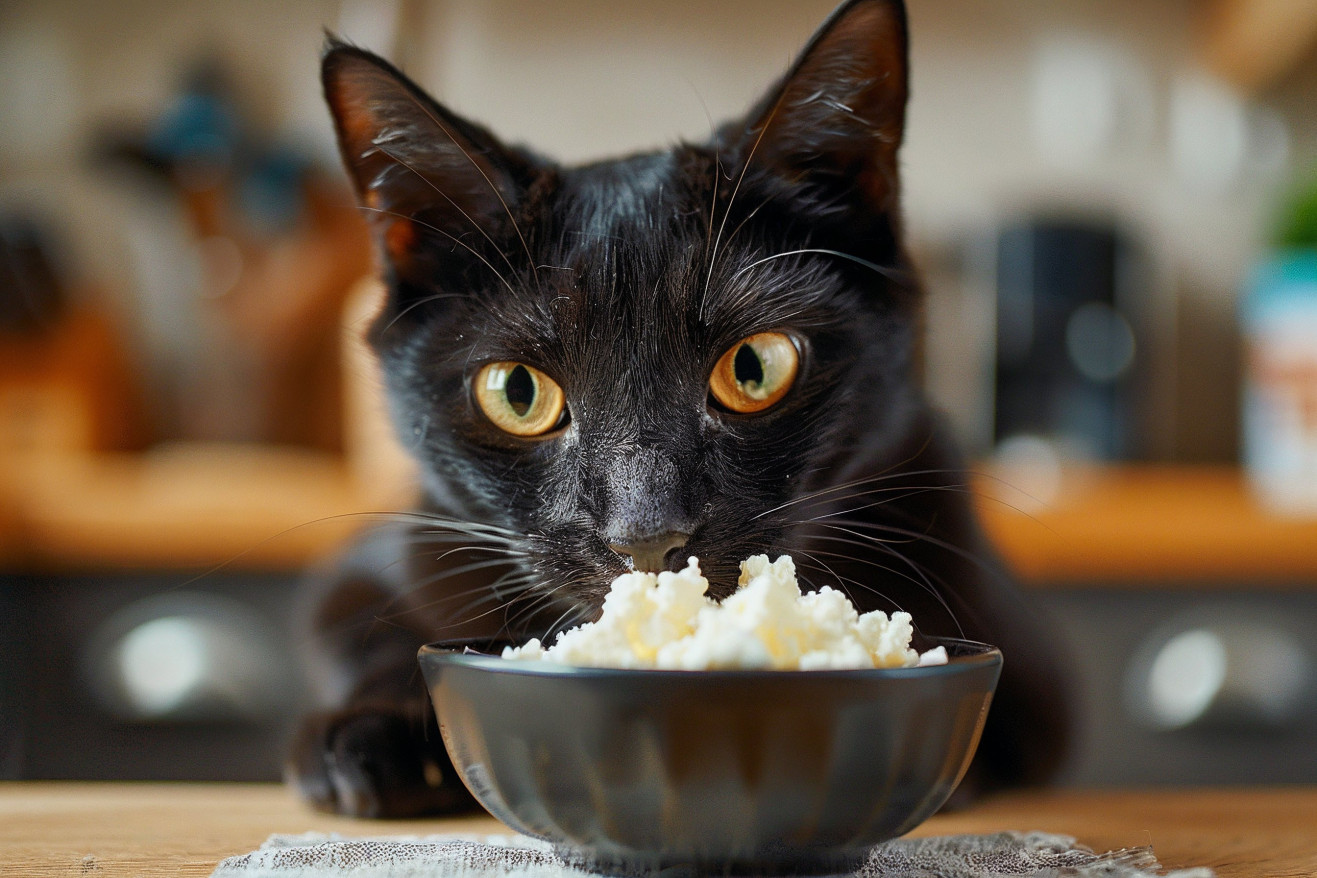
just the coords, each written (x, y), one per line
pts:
(462, 654)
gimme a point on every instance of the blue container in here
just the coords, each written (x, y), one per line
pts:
(1279, 318)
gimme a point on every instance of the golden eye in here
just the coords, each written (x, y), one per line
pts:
(755, 372)
(519, 399)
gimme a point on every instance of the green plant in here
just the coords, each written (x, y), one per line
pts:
(1296, 223)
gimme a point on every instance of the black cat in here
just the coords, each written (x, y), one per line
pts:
(706, 351)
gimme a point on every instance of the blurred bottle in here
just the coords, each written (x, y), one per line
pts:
(1280, 383)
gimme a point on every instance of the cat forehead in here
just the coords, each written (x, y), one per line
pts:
(628, 247)
(620, 197)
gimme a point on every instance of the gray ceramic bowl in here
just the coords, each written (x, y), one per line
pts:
(711, 771)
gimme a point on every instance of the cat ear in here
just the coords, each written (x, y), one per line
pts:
(834, 123)
(419, 170)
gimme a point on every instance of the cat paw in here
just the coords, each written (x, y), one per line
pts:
(373, 761)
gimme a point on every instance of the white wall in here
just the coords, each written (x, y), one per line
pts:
(1089, 106)
(586, 78)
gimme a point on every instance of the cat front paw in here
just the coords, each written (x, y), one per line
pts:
(375, 761)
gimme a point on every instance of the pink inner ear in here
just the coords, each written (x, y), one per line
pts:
(358, 123)
(352, 95)
(399, 240)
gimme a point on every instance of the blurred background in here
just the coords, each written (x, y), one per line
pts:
(1113, 204)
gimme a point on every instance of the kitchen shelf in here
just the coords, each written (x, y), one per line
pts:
(255, 507)
(191, 507)
(1254, 44)
(1195, 526)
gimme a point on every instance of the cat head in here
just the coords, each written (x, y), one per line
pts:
(633, 361)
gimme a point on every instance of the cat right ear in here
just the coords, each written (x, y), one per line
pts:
(420, 171)
(832, 126)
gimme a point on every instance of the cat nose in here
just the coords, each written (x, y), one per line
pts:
(651, 554)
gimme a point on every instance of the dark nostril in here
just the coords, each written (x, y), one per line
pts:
(651, 554)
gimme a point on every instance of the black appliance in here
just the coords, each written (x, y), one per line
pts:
(1070, 338)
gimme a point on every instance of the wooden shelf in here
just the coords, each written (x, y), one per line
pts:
(1197, 526)
(196, 507)
(1253, 44)
(190, 507)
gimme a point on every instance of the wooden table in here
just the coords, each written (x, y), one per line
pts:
(147, 830)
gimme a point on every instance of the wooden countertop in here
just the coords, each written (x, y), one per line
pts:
(252, 507)
(148, 830)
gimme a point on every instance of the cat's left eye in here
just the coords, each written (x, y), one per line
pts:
(755, 373)
(519, 399)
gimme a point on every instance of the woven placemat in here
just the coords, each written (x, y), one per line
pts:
(316, 855)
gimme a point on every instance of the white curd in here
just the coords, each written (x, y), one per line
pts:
(667, 621)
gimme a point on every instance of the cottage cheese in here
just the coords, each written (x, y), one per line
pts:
(667, 621)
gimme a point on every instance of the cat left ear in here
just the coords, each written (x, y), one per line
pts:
(417, 167)
(835, 122)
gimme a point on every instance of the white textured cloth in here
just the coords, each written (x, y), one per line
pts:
(435, 856)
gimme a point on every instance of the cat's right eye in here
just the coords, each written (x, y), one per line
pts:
(755, 373)
(519, 399)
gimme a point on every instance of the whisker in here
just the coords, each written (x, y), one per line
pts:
(885, 476)
(450, 236)
(751, 214)
(893, 274)
(542, 599)
(423, 301)
(517, 591)
(918, 536)
(396, 598)
(731, 199)
(492, 550)
(455, 524)
(475, 225)
(570, 612)
(507, 596)
(833, 573)
(428, 581)
(713, 202)
(923, 580)
(897, 495)
(862, 586)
